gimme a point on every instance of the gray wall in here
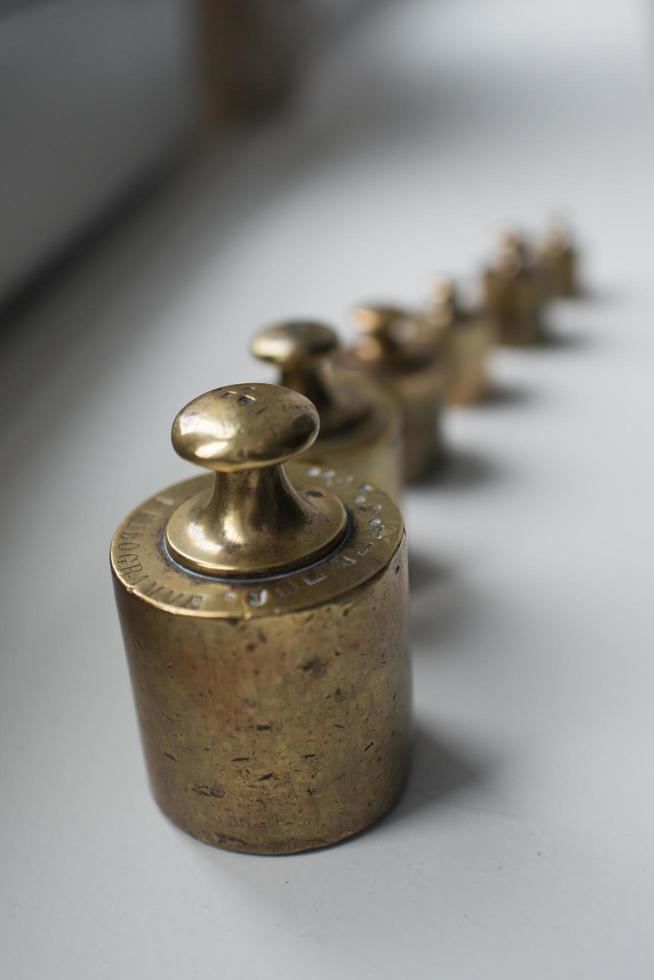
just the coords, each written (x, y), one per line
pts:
(92, 95)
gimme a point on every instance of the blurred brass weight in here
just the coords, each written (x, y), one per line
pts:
(264, 614)
(559, 261)
(394, 350)
(466, 339)
(360, 428)
(514, 293)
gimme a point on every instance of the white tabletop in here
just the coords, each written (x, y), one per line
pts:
(524, 845)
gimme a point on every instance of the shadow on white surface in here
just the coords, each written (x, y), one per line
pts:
(440, 605)
(460, 470)
(506, 395)
(425, 573)
(555, 340)
(439, 770)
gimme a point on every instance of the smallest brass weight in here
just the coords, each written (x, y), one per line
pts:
(514, 292)
(264, 610)
(466, 339)
(360, 428)
(559, 260)
(394, 349)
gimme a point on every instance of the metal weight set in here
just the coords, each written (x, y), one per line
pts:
(265, 605)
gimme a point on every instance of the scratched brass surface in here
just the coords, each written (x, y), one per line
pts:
(393, 352)
(360, 427)
(274, 710)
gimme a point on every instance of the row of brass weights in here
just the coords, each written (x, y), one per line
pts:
(264, 606)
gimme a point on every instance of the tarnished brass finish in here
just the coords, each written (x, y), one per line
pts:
(274, 706)
(514, 293)
(360, 428)
(395, 351)
(466, 339)
(559, 261)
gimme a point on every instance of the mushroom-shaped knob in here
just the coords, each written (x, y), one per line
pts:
(244, 427)
(253, 521)
(378, 320)
(294, 342)
(303, 350)
(512, 252)
(387, 331)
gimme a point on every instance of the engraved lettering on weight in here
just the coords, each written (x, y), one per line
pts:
(128, 540)
(343, 560)
(258, 598)
(194, 601)
(375, 531)
(154, 590)
(287, 588)
(129, 565)
(313, 578)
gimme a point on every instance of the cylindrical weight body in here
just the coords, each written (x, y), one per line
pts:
(371, 447)
(560, 270)
(420, 394)
(515, 303)
(466, 345)
(417, 388)
(275, 713)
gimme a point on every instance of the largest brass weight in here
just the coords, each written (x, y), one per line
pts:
(274, 709)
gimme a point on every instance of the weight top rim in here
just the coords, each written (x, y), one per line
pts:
(143, 567)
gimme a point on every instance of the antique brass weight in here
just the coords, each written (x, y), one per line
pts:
(396, 351)
(466, 339)
(360, 428)
(264, 613)
(514, 293)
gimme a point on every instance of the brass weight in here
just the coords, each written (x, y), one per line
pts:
(514, 293)
(360, 427)
(265, 618)
(466, 339)
(394, 349)
(559, 260)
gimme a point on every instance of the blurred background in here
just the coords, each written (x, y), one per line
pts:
(175, 175)
(99, 99)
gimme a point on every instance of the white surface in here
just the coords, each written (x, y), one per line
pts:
(523, 847)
